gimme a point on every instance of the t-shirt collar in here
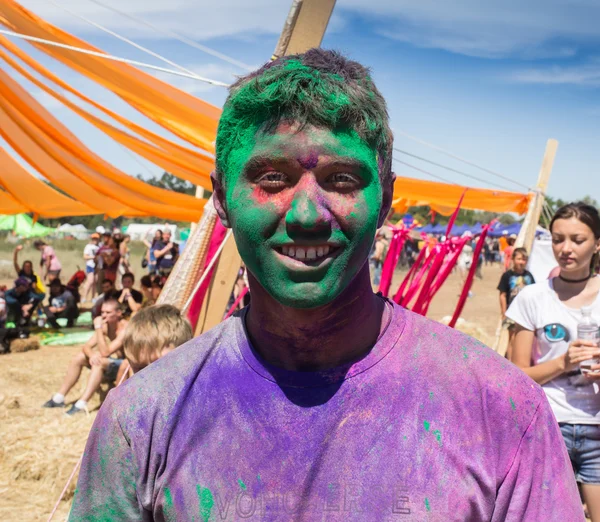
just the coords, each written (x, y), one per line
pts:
(385, 343)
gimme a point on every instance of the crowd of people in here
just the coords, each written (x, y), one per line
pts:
(39, 298)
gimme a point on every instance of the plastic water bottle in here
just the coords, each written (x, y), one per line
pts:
(41, 321)
(588, 330)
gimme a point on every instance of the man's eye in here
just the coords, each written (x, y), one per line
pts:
(344, 180)
(272, 180)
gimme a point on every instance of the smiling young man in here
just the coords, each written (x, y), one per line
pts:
(321, 401)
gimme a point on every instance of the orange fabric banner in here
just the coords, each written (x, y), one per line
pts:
(9, 205)
(35, 195)
(57, 153)
(174, 158)
(183, 114)
(53, 171)
(40, 120)
(443, 197)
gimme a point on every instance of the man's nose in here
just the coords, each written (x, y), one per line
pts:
(309, 211)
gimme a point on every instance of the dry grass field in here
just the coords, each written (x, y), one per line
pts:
(39, 447)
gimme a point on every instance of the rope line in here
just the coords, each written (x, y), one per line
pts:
(447, 153)
(176, 36)
(440, 178)
(119, 37)
(471, 176)
(112, 57)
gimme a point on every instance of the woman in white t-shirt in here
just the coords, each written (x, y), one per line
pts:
(549, 312)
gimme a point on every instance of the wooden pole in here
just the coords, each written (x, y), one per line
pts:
(304, 27)
(527, 234)
(532, 218)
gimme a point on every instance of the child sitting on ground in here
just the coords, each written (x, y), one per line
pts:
(152, 333)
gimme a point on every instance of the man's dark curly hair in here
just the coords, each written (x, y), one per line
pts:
(319, 87)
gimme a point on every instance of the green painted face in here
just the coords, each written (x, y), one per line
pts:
(304, 206)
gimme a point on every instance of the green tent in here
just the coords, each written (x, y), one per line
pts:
(22, 225)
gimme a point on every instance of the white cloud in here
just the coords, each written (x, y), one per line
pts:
(531, 29)
(197, 19)
(587, 74)
(527, 29)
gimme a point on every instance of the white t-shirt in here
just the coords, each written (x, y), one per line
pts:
(90, 250)
(537, 308)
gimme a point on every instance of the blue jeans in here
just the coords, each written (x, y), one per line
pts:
(583, 446)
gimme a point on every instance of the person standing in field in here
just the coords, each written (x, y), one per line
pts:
(511, 283)
(167, 255)
(508, 251)
(108, 259)
(321, 400)
(151, 247)
(49, 262)
(90, 252)
(547, 314)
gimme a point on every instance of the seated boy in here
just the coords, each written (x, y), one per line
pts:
(62, 305)
(130, 299)
(152, 333)
(21, 302)
(102, 358)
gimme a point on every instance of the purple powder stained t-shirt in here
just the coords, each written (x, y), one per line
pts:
(429, 426)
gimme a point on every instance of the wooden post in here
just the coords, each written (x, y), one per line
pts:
(304, 27)
(527, 233)
(530, 223)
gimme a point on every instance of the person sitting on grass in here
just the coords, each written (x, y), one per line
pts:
(108, 292)
(130, 299)
(21, 302)
(102, 357)
(152, 333)
(26, 270)
(62, 305)
(321, 400)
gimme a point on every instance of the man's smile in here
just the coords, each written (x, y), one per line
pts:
(301, 256)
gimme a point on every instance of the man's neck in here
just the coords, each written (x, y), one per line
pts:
(319, 338)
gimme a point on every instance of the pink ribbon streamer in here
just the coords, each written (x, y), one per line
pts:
(399, 297)
(236, 303)
(216, 239)
(399, 237)
(469, 281)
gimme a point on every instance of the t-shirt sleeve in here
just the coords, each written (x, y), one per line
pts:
(106, 489)
(540, 484)
(522, 310)
(503, 284)
(532, 278)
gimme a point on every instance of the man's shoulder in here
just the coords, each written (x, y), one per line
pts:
(458, 362)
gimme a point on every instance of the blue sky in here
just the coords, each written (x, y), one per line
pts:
(488, 83)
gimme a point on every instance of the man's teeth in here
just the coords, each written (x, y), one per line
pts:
(310, 253)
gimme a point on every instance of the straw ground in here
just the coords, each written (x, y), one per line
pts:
(39, 447)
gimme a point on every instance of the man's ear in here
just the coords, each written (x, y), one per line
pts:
(219, 199)
(386, 200)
